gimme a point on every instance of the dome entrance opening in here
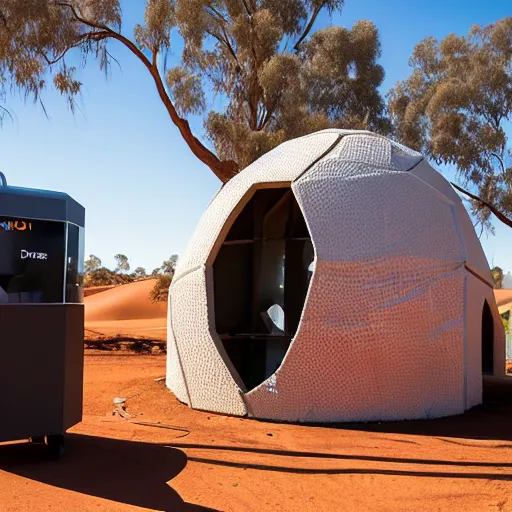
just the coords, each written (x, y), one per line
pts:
(261, 278)
(487, 341)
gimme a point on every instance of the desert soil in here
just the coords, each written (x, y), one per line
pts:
(192, 460)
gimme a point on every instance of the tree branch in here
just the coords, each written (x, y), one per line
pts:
(309, 26)
(268, 115)
(247, 9)
(3, 110)
(225, 43)
(223, 169)
(3, 18)
(219, 18)
(95, 36)
(496, 212)
(218, 14)
(228, 43)
(500, 160)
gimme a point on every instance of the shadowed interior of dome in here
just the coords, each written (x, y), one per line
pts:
(487, 341)
(261, 278)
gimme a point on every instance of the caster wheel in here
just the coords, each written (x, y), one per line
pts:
(55, 444)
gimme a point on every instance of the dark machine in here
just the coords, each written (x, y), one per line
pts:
(41, 315)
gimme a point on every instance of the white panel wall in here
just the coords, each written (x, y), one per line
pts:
(390, 328)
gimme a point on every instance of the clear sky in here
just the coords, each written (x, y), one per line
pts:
(124, 160)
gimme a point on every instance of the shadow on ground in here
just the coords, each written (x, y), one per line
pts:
(480, 470)
(491, 420)
(127, 472)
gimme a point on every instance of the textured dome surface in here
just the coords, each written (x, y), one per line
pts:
(391, 325)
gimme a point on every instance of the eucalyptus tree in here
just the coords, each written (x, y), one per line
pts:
(275, 75)
(456, 106)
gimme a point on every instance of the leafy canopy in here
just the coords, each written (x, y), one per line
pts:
(92, 263)
(456, 105)
(122, 263)
(497, 275)
(274, 76)
(140, 272)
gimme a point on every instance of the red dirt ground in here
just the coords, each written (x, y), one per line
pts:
(224, 463)
(214, 462)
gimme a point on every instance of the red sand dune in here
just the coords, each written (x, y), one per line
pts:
(125, 310)
(93, 290)
(126, 302)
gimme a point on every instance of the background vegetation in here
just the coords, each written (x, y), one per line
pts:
(97, 275)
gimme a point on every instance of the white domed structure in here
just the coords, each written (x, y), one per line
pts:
(337, 278)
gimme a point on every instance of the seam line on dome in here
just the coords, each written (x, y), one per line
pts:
(458, 230)
(436, 190)
(377, 167)
(337, 130)
(415, 165)
(323, 155)
(367, 164)
(186, 273)
(478, 276)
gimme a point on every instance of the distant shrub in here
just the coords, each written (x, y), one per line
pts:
(505, 323)
(160, 291)
(164, 276)
(104, 276)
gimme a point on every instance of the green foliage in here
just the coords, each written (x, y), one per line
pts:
(329, 79)
(164, 277)
(497, 275)
(122, 263)
(168, 266)
(104, 277)
(505, 323)
(276, 77)
(36, 35)
(140, 272)
(96, 275)
(160, 291)
(92, 263)
(455, 106)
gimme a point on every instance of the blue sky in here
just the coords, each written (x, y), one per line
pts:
(124, 160)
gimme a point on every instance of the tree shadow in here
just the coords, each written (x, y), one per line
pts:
(354, 471)
(340, 456)
(133, 473)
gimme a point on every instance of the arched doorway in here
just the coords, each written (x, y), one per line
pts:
(261, 278)
(487, 341)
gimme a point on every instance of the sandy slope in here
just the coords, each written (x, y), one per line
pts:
(234, 464)
(127, 302)
(125, 310)
(93, 290)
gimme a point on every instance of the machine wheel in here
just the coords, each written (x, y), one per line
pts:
(55, 443)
